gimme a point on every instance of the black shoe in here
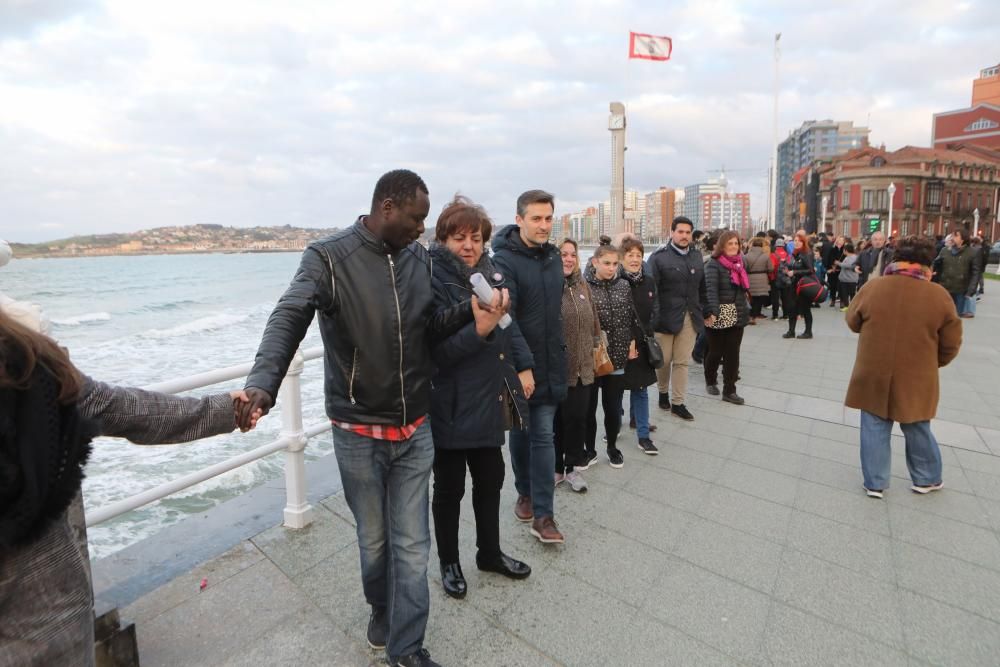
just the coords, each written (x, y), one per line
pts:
(733, 398)
(590, 459)
(664, 401)
(505, 565)
(805, 336)
(788, 334)
(631, 422)
(378, 629)
(775, 318)
(682, 412)
(615, 458)
(453, 580)
(647, 447)
(419, 659)
(712, 389)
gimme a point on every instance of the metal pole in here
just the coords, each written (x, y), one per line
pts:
(825, 201)
(892, 191)
(975, 218)
(774, 149)
(298, 511)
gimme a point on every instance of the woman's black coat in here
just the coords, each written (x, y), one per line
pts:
(719, 289)
(472, 373)
(638, 373)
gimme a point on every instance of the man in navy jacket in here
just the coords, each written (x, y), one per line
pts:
(534, 279)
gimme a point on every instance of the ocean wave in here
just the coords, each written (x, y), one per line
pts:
(210, 323)
(170, 305)
(77, 320)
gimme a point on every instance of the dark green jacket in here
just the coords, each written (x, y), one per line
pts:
(959, 272)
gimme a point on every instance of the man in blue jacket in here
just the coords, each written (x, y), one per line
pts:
(534, 279)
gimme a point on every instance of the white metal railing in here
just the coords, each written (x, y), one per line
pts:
(298, 512)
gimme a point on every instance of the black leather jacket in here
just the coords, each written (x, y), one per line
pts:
(680, 289)
(376, 316)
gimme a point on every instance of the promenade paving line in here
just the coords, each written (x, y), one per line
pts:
(747, 541)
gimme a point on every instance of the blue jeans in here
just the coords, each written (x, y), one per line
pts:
(638, 400)
(533, 458)
(923, 457)
(386, 485)
(959, 299)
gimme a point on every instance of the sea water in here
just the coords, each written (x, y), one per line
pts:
(140, 320)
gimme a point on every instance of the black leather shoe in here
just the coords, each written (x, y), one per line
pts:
(453, 580)
(505, 565)
(788, 334)
(733, 398)
(712, 389)
(805, 336)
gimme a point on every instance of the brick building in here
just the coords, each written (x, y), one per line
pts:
(659, 214)
(936, 190)
(978, 124)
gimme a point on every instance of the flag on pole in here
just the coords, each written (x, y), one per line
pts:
(649, 47)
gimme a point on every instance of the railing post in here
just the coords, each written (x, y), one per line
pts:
(298, 511)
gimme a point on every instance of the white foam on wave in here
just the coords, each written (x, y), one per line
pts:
(210, 323)
(77, 320)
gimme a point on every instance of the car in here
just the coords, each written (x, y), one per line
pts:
(994, 257)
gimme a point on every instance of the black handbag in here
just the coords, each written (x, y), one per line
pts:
(653, 350)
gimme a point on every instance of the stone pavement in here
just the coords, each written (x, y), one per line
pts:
(748, 540)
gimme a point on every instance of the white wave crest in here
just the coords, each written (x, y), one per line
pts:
(77, 320)
(210, 323)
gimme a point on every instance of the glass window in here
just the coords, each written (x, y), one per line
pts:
(845, 197)
(867, 199)
(947, 200)
(908, 196)
(933, 194)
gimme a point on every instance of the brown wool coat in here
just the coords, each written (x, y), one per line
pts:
(908, 329)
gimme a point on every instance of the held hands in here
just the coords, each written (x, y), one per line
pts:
(487, 316)
(527, 379)
(633, 351)
(710, 320)
(250, 405)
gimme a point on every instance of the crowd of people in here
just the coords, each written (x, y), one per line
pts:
(425, 377)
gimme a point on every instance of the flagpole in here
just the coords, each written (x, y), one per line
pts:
(773, 215)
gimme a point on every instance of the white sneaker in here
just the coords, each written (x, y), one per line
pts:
(576, 481)
(559, 478)
(873, 493)
(927, 489)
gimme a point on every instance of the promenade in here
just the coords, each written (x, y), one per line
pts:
(748, 540)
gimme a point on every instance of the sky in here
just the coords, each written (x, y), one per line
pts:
(120, 115)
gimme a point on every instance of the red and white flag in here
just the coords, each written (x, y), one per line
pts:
(649, 47)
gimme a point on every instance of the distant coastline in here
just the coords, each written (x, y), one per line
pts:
(214, 251)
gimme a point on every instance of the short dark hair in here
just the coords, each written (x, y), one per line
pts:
(915, 249)
(710, 240)
(681, 220)
(697, 234)
(632, 244)
(462, 215)
(399, 185)
(534, 197)
(848, 247)
(964, 233)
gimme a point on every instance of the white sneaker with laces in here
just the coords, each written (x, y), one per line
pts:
(576, 481)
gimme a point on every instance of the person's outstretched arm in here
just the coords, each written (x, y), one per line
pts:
(152, 418)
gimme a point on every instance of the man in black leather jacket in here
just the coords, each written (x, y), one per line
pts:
(371, 285)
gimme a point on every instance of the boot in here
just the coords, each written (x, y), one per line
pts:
(791, 327)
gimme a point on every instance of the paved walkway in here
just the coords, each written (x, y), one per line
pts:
(747, 541)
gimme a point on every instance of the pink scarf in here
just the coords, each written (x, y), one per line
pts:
(737, 272)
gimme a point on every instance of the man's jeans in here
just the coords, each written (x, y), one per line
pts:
(639, 410)
(923, 457)
(533, 458)
(386, 485)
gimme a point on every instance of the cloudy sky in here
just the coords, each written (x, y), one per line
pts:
(118, 115)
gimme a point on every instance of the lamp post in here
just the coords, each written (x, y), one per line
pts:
(892, 191)
(975, 223)
(825, 201)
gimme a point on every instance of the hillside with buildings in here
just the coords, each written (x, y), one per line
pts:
(183, 239)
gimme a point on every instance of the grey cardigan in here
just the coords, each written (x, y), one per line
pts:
(46, 601)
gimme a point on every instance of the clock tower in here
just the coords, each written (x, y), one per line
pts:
(616, 124)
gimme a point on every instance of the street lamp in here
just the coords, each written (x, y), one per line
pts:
(975, 218)
(826, 200)
(892, 190)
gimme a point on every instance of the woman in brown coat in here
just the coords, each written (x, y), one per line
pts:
(909, 329)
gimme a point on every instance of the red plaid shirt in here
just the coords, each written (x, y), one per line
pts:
(382, 431)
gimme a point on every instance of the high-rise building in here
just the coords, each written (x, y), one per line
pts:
(659, 214)
(978, 124)
(812, 141)
(709, 207)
